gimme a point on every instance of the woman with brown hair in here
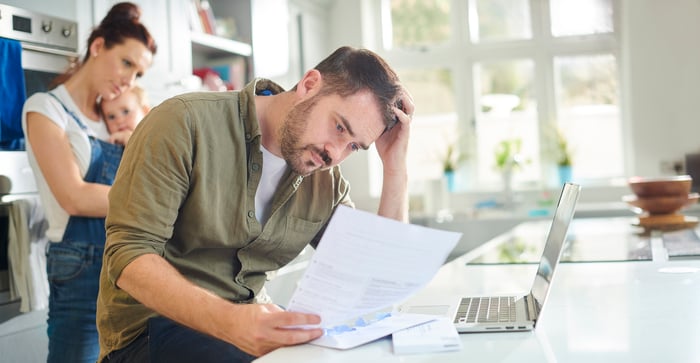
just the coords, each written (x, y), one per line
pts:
(74, 169)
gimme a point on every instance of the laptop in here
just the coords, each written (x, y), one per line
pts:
(517, 313)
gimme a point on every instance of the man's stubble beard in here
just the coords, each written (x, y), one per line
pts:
(291, 132)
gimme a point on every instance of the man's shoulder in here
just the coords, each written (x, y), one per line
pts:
(205, 96)
(201, 103)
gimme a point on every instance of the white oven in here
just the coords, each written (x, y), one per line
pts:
(49, 45)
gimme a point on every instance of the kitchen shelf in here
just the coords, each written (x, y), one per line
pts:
(213, 46)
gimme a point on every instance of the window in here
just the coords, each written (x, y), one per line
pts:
(507, 111)
(588, 113)
(429, 24)
(488, 72)
(574, 17)
(499, 20)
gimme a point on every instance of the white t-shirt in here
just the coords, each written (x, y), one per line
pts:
(272, 171)
(46, 105)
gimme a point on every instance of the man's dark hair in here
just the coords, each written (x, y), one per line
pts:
(349, 70)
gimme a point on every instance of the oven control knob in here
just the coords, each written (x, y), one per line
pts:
(46, 26)
(67, 32)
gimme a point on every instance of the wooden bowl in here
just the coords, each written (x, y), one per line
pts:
(662, 205)
(645, 187)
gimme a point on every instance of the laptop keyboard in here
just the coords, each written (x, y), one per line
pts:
(486, 310)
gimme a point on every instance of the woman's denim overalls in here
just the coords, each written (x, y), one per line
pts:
(73, 267)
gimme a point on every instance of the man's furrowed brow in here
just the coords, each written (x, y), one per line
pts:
(347, 126)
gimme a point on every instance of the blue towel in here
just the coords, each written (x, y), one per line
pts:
(12, 94)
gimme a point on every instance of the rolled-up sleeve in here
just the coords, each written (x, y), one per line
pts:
(151, 184)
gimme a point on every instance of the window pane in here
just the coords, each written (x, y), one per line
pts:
(499, 20)
(581, 17)
(434, 123)
(435, 120)
(432, 89)
(508, 113)
(589, 114)
(419, 23)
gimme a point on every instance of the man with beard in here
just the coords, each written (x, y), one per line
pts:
(217, 189)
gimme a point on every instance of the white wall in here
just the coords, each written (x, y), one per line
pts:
(661, 56)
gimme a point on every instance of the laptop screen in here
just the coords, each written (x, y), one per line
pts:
(555, 242)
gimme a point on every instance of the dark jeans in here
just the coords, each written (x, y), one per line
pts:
(167, 341)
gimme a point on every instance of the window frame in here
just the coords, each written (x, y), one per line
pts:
(459, 56)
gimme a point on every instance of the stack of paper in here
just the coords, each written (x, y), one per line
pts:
(438, 335)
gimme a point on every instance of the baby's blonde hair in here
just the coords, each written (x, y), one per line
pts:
(141, 96)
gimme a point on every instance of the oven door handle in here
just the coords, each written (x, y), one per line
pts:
(38, 48)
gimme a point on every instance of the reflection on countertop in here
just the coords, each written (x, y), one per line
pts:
(479, 225)
(587, 241)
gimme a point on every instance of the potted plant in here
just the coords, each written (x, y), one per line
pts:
(563, 155)
(450, 161)
(507, 155)
(508, 158)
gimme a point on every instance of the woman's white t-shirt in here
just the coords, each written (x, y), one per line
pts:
(46, 105)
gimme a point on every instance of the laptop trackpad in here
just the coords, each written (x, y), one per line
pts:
(426, 309)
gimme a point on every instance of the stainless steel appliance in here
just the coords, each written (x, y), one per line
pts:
(49, 45)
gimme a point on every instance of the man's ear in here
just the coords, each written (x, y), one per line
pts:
(310, 84)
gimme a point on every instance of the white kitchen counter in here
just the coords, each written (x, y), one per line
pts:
(634, 311)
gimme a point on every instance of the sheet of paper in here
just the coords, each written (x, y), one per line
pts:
(366, 263)
(351, 336)
(438, 335)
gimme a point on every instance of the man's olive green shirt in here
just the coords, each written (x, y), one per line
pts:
(185, 190)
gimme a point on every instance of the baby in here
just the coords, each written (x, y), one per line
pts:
(123, 113)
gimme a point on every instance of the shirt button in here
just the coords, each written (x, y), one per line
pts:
(256, 166)
(251, 214)
(247, 135)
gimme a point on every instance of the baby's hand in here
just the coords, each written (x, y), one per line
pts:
(120, 137)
